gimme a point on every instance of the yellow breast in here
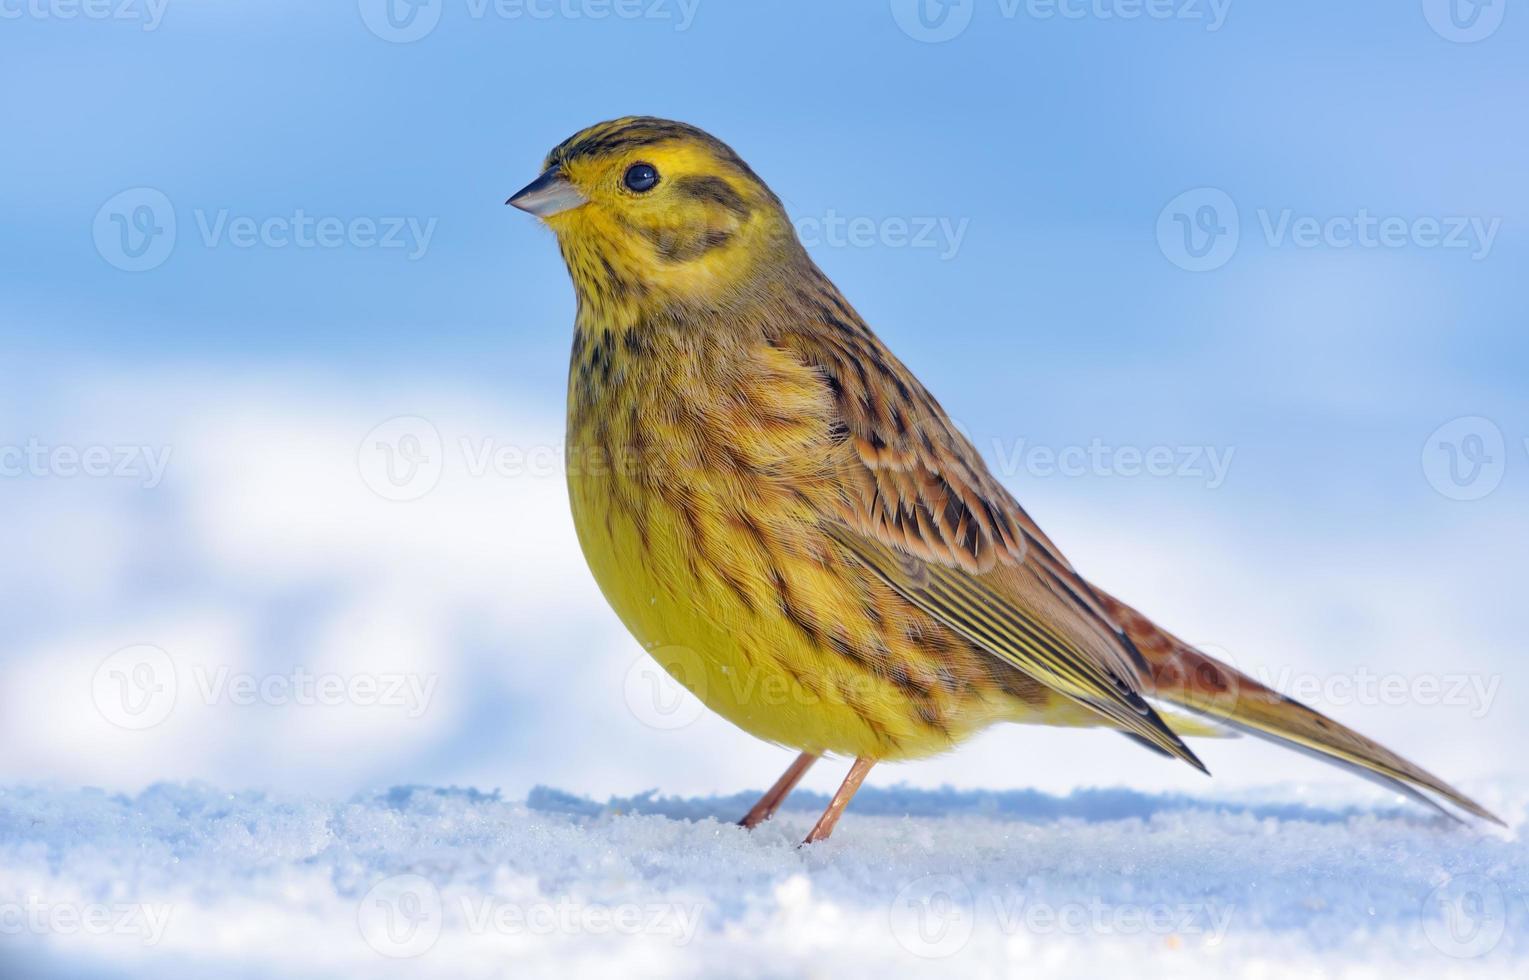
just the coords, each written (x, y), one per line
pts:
(697, 484)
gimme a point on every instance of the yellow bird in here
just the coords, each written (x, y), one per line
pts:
(788, 522)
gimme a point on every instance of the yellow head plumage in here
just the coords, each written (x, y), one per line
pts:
(650, 205)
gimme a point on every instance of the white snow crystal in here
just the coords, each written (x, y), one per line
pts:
(190, 881)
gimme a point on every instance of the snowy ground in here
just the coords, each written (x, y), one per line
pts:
(190, 881)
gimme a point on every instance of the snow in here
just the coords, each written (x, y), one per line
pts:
(186, 880)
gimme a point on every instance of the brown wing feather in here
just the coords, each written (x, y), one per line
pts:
(915, 490)
(1185, 676)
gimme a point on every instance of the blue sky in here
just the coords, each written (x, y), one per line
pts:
(1058, 318)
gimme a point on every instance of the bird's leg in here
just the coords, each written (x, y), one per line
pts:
(830, 817)
(776, 795)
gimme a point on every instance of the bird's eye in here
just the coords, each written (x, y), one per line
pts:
(641, 177)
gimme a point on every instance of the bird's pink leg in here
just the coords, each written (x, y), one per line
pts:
(830, 817)
(776, 795)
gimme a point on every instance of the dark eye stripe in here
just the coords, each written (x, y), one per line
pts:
(712, 189)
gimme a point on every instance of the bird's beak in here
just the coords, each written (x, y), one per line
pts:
(549, 194)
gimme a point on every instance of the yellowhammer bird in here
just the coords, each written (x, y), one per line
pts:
(789, 523)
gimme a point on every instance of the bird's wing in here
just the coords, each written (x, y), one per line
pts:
(922, 512)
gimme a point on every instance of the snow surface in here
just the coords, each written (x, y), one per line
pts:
(190, 881)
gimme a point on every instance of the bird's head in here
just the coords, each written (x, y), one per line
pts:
(648, 206)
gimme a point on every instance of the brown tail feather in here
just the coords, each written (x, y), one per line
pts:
(1184, 676)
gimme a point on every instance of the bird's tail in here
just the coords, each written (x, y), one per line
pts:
(1186, 677)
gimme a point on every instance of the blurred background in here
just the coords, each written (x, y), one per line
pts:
(1232, 295)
